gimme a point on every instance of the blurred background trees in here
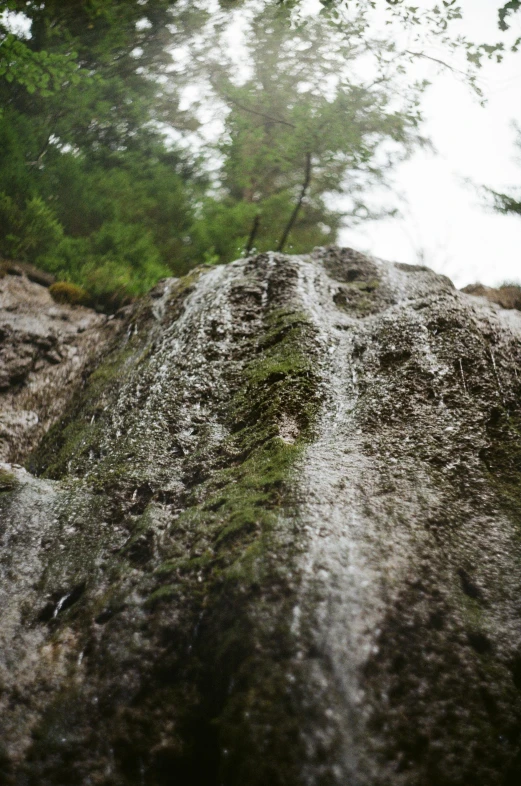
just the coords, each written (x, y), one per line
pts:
(88, 188)
(309, 111)
(137, 139)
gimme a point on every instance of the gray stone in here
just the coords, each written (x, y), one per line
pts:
(275, 540)
(42, 357)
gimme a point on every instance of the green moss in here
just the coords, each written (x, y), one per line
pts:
(356, 298)
(364, 306)
(8, 481)
(472, 611)
(80, 431)
(70, 294)
(187, 282)
(164, 593)
(109, 371)
(249, 566)
(234, 513)
(78, 436)
(255, 492)
(185, 565)
(366, 286)
(282, 381)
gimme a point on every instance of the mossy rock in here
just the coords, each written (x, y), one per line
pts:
(275, 540)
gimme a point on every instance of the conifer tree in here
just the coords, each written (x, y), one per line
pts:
(319, 115)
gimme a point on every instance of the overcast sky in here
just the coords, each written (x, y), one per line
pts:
(444, 223)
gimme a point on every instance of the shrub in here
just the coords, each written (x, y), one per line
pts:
(71, 294)
(27, 232)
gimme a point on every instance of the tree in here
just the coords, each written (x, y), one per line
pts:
(505, 11)
(433, 23)
(38, 71)
(91, 188)
(446, 12)
(303, 126)
(88, 187)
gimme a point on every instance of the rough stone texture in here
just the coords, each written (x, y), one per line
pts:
(275, 540)
(44, 350)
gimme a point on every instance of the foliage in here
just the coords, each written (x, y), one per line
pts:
(446, 11)
(508, 204)
(29, 230)
(106, 220)
(38, 72)
(441, 23)
(504, 12)
(301, 128)
(93, 191)
(88, 188)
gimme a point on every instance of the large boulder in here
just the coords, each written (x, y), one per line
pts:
(274, 540)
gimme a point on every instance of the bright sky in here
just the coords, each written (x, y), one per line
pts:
(444, 223)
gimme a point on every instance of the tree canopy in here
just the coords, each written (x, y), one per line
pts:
(306, 124)
(135, 143)
(88, 187)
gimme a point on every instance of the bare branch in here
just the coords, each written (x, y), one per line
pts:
(293, 217)
(253, 234)
(435, 60)
(259, 114)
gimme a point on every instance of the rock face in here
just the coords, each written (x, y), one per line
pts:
(275, 540)
(44, 350)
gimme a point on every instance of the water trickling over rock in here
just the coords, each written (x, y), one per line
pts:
(275, 539)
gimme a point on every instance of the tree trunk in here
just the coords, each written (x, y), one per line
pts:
(253, 234)
(296, 210)
(274, 540)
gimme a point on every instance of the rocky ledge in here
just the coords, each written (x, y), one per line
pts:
(45, 350)
(274, 539)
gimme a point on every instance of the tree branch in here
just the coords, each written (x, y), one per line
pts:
(435, 60)
(293, 217)
(259, 114)
(42, 152)
(253, 234)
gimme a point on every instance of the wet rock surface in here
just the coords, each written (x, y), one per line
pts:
(44, 350)
(275, 539)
